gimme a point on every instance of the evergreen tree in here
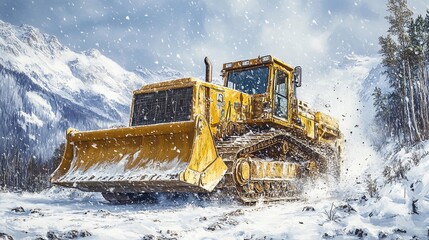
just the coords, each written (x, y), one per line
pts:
(404, 111)
(419, 71)
(399, 20)
(381, 111)
(31, 175)
(56, 157)
(395, 99)
(426, 38)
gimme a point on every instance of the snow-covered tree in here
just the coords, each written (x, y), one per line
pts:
(404, 51)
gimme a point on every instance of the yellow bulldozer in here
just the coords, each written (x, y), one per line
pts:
(251, 139)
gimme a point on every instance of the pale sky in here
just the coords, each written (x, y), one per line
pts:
(179, 34)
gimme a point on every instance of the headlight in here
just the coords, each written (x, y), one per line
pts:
(228, 65)
(266, 58)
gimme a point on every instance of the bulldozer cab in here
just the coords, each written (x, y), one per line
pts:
(268, 80)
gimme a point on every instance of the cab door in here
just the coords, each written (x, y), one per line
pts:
(281, 95)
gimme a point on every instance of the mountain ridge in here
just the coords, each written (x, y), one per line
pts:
(46, 88)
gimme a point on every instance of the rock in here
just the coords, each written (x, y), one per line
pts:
(398, 230)
(52, 236)
(346, 208)
(215, 226)
(72, 234)
(18, 209)
(148, 237)
(172, 233)
(253, 237)
(360, 233)
(4, 236)
(382, 235)
(202, 219)
(84, 233)
(326, 235)
(232, 222)
(235, 213)
(35, 210)
(415, 207)
(308, 209)
(168, 235)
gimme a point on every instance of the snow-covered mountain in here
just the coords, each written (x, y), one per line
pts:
(45, 88)
(165, 73)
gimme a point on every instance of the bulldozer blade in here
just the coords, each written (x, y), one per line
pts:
(168, 157)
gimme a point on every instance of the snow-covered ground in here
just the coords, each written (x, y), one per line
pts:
(68, 213)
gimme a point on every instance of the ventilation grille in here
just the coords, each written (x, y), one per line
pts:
(173, 105)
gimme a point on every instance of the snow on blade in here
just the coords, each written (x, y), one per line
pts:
(103, 171)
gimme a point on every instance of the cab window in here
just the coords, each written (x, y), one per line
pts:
(280, 95)
(251, 81)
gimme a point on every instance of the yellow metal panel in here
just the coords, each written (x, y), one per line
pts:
(308, 127)
(160, 86)
(328, 120)
(140, 155)
(269, 169)
(205, 168)
(278, 169)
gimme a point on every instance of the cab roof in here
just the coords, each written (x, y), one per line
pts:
(254, 62)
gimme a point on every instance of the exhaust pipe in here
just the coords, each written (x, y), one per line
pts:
(208, 69)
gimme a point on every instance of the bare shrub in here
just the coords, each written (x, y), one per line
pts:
(332, 215)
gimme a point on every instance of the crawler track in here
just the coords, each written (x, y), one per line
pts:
(266, 149)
